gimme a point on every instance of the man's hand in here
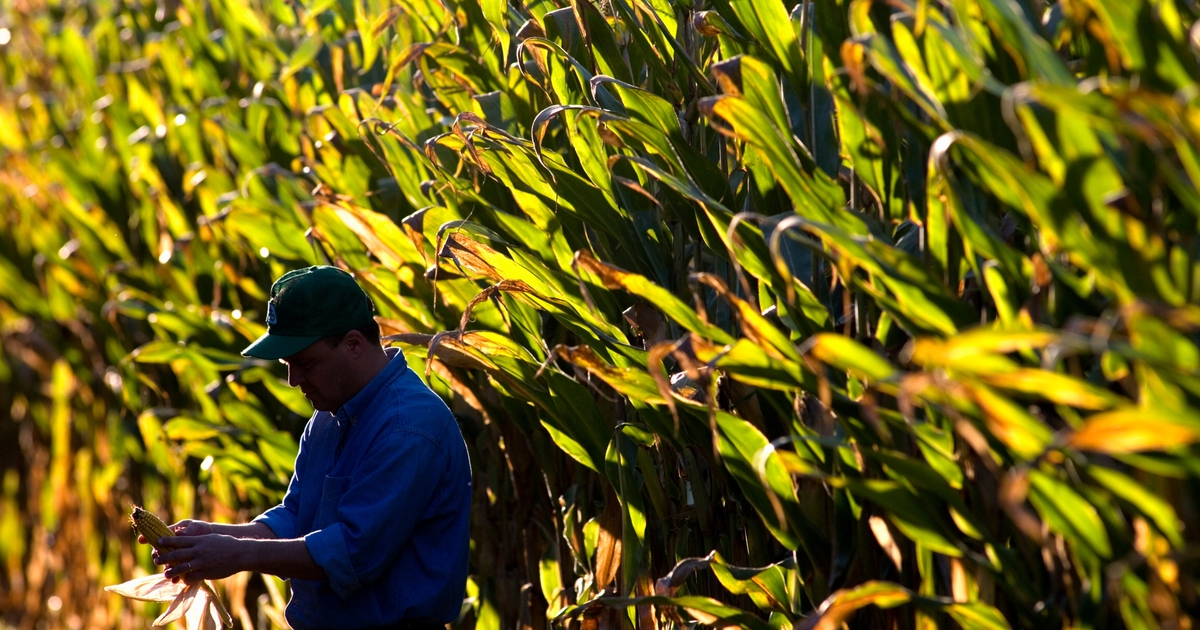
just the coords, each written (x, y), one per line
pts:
(189, 527)
(196, 557)
(186, 527)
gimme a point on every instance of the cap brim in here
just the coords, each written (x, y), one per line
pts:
(271, 346)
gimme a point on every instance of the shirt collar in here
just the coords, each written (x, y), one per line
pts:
(355, 407)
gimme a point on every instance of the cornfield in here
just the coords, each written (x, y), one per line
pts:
(754, 313)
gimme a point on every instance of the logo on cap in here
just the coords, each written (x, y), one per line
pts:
(271, 317)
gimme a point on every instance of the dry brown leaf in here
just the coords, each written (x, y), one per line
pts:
(608, 547)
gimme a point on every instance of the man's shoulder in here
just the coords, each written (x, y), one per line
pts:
(409, 406)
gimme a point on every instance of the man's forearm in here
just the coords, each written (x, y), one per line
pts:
(218, 555)
(284, 558)
(244, 530)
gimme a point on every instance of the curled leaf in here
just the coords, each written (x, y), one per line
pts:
(838, 608)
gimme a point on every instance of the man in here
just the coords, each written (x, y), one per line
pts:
(373, 530)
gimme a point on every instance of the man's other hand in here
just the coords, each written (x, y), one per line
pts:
(195, 557)
(186, 527)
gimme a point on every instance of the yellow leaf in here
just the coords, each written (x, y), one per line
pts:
(1058, 388)
(1131, 430)
(1009, 422)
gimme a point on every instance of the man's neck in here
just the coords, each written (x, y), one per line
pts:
(373, 363)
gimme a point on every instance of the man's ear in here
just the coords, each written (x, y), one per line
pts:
(355, 342)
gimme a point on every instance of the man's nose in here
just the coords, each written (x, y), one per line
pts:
(294, 377)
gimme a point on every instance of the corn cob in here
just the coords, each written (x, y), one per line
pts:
(149, 525)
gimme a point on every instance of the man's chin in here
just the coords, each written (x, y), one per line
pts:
(319, 405)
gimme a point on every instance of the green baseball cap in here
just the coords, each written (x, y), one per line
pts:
(308, 304)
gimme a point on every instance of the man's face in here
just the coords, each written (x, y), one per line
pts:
(323, 373)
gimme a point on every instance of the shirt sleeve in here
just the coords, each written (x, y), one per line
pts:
(282, 518)
(380, 506)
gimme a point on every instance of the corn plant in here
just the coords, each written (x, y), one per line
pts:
(754, 314)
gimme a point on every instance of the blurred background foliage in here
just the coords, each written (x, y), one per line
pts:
(753, 313)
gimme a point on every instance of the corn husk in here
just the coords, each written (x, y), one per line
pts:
(198, 605)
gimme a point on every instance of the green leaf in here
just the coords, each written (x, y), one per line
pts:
(977, 616)
(768, 24)
(907, 511)
(740, 444)
(704, 609)
(815, 195)
(302, 56)
(188, 429)
(1155, 508)
(1068, 513)
(671, 306)
(767, 586)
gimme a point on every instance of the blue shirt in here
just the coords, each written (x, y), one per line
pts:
(382, 496)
